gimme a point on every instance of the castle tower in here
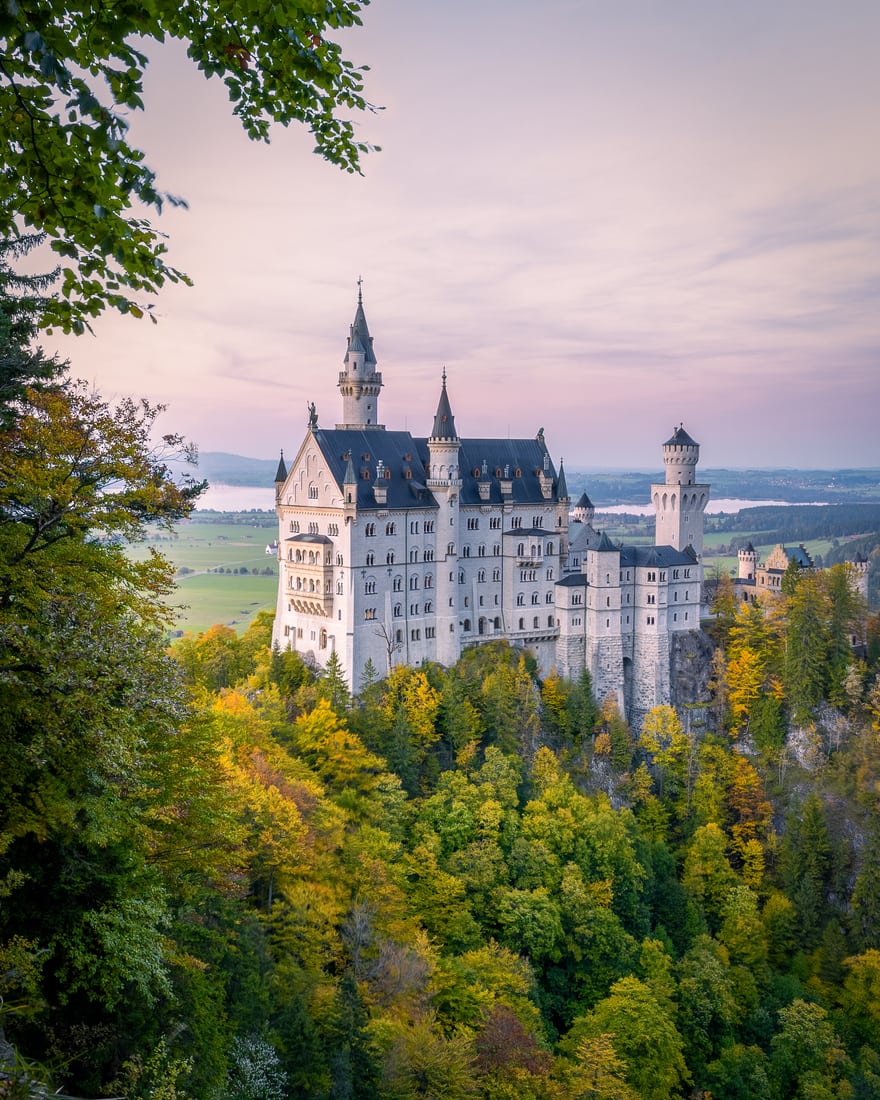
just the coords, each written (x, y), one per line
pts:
(359, 381)
(280, 476)
(680, 502)
(604, 643)
(445, 483)
(748, 563)
(584, 510)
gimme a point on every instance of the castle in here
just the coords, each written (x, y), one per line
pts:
(395, 549)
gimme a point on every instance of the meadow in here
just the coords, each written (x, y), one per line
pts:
(223, 573)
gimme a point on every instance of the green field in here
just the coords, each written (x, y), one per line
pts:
(199, 549)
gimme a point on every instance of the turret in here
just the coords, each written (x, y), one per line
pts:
(748, 563)
(280, 476)
(584, 510)
(445, 484)
(359, 381)
(680, 502)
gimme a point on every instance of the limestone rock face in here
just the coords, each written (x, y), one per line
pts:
(690, 668)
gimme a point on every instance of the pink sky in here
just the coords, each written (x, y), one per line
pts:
(602, 217)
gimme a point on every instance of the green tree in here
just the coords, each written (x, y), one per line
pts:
(644, 1036)
(806, 647)
(72, 75)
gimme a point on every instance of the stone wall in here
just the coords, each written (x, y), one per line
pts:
(690, 668)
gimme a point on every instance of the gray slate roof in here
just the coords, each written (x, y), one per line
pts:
(660, 556)
(680, 438)
(407, 457)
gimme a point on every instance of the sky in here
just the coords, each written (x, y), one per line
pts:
(602, 217)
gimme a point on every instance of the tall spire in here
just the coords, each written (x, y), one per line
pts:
(359, 381)
(281, 472)
(444, 423)
(561, 487)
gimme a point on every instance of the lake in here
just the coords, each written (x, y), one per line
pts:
(242, 498)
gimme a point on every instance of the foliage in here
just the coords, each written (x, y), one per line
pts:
(70, 78)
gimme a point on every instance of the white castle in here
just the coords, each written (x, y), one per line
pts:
(396, 549)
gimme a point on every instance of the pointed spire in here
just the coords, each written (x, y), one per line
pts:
(444, 423)
(359, 338)
(349, 478)
(561, 487)
(281, 472)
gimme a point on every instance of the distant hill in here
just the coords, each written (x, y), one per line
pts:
(606, 487)
(221, 468)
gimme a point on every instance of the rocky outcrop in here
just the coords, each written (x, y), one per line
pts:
(690, 669)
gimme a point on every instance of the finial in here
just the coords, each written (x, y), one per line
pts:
(360, 290)
(444, 377)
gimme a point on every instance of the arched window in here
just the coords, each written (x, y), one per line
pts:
(370, 530)
(371, 557)
(390, 529)
(429, 581)
(467, 625)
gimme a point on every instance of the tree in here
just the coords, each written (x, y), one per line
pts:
(643, 1034)
(71, 75)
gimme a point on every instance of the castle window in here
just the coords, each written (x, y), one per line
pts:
(535, 622)
(495, 523)
(687, 574)
(430, 632)
(481, 576)
(685, 616)
(413, 583)
(650, 620)
(429, 555)
(415, 635)
(398, 637)
(608, 601)
(522, 624)
(390, 529)
(496, 574)
(520, 549)
(370, 530)
(652, 599)
(497, 622)
(662, 576)
(467, 624)
(535, 597)
(413, 555)
(339, 588)
(313, 492)
(465, 551)
(450, 549)
(675, 617)
(323, 640)
(496, 550)
(429, 581)
(520, 599)
(294, 526)
(414, 527)
(467, 601)
(685, 593)
(313, 528)
(473, 524)
(550, 620)
(429, 607)
(481, 551)
(607, 622)
(517, 472)
(371, 557)
(369, 613)
(397, 584)
(675, 596)
(461, 576)
(429, 527)
(369, 588)
(333, 529)
(481, 601)
(365, 474)
(627, 620)
(516, 523)
(675, 574)
(398, 610)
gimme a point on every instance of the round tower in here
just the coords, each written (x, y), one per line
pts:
(680, 501)
(359, 381)
(748, 563)
(584, 511)
(444, 482)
